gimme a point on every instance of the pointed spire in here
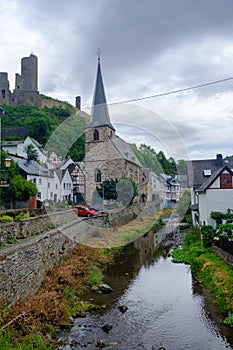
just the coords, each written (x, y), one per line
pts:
(99, 112)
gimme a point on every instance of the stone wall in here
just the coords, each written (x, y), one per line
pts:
(35, 225)
(222, 254)
(45, 102)
(24, 265)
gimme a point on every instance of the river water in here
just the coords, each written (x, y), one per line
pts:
(167, 307)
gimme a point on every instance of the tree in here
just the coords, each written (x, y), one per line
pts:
(123, 190)
(20, 189)
(32, 153)
(107, 189)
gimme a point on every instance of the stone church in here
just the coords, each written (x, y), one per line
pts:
(107, 156)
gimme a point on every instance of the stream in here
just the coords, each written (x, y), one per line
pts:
(155, 304)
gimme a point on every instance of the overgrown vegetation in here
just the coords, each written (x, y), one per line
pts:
(158, 162)
(216, 275)
(34, 323)
(43, 125)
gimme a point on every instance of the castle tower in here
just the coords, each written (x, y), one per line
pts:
(5, 93)
(26, 84)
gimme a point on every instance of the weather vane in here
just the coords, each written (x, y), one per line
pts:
(99, 52)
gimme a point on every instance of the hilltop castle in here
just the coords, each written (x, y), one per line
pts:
(26, 85)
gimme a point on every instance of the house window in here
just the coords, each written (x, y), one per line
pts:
(34, 180)
(98, 176)
(96, 135)
(225, 181)
(48, 184)
(39, 195)
(56, 186)
(39, 181)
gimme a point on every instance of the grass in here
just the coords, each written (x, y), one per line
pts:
(213, 272)
(121, 235)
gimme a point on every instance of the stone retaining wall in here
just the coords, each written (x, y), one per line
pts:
(35, 225)
(24, 265)
(225, 256)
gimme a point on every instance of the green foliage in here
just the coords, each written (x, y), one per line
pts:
(225, 230)
(31, 342)
(207, 232)
(21, 189)
(229, 320)
(32, 153)
(95, 276)
(124, 190)
(158, 162)
(11, 239)
(218, 217)
(11, 213)
(6, 218)
(107, 189)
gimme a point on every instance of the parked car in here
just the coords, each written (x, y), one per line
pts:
(82, 210)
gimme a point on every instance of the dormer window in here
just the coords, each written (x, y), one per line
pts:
(96, 135)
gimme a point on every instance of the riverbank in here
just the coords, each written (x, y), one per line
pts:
(210, 271)
(35, 322)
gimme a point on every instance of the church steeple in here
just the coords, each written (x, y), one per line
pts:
(99, 112)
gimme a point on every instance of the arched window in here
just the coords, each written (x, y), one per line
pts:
(98, 176)
(96, 135)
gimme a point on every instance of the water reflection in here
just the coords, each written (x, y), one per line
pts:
(165, 306)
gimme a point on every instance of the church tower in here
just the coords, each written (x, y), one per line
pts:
(106, 155)
(100, 128)
(98, 134)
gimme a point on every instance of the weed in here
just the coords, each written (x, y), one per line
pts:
(11, 239)
(229, 320)
(95, 276)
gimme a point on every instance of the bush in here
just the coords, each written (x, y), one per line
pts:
(207, 232)
(6, 218)
(229, 320)
(11, 213)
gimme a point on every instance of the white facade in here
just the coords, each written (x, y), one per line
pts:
(215, 198)
(18, 148)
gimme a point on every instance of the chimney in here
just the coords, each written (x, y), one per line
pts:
(219, 160)
(78, 102)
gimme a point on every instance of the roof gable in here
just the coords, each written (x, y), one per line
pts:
(214, 177)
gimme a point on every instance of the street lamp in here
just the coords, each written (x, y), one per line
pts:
(7, 162)
(5, 182)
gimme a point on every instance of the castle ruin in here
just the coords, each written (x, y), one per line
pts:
(26, 85)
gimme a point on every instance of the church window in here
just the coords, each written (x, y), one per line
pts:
(96, 135)
(98, 176)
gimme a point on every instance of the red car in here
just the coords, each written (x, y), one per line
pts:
(82, 210)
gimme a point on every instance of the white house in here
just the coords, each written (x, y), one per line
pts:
(18, 148)
(46, 181)
(207, 190)
(216, 194)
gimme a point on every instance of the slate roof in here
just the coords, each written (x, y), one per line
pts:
(125, 151)
(32, 167)
(196, 169)
(212, 178)
(99, 112)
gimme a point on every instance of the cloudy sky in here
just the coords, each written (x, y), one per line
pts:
(148, 47)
